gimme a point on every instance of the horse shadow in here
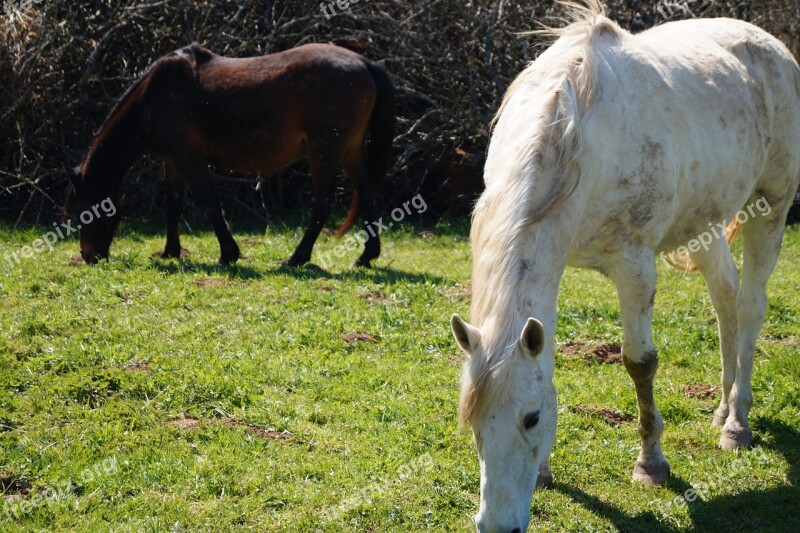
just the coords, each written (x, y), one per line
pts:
(646, 521)
(310, 271)
(378, 275)
(767, 509)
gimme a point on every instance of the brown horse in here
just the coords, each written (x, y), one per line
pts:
(193, 108)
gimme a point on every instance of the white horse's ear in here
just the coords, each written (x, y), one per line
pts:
(466, 336)
(532, 338)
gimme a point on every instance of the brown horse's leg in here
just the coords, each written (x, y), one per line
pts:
(176, 191)
(323, 175)
(356, 169)
(199, 178)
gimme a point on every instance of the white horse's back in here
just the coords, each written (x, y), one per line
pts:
(692, 120)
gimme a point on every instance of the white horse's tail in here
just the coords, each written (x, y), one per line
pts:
(683, 261)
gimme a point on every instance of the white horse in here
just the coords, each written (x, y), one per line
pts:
(610, 149)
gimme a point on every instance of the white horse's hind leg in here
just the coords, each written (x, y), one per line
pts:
(634, 274)
(722, 278)
(762, 244)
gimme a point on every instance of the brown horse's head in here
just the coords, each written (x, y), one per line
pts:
(93, 214)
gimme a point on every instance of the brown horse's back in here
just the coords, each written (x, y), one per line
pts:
(259, 114)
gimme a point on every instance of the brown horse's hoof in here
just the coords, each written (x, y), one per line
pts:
(731, 439)
(172, 254)
(651, 472)
(293, 262)
(228, 261)
(230, 257)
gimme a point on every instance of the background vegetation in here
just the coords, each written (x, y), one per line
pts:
(64, 63)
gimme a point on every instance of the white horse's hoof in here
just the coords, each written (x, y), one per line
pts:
(731, 439)
(651, 472)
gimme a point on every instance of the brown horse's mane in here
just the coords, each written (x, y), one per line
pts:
(126, 96)
(194, 53)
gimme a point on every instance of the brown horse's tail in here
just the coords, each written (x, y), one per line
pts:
(379, 140)
(682, 261)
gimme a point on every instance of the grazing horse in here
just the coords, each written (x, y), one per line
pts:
(193, 108)
(609, 149)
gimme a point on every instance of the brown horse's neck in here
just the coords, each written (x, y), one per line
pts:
(116, 146)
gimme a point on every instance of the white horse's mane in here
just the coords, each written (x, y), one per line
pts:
(527, 187)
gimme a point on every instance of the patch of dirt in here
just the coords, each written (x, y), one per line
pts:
(609, 416)
(213, 283)
(250, 241)
(12, 484)
(326, 288)
(270, 434)
(186, 423)
(139, 367)
(425, 234)
(76, 260)
(574, 348)
(266, 434)
(376, 296)
(605, 353)
(701, 391)
(352, 338)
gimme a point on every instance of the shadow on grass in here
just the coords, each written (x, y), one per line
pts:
(290, 220)
(755, 510)
(310, 271)
(784, 439)
(645, 521)
(773, 509)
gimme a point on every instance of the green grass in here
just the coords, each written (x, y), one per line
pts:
(234, 398)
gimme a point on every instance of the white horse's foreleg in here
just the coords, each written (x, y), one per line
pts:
(722, 278)
(634, 274)
(762, 243)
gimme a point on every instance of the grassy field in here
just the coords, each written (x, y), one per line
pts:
(152, 395)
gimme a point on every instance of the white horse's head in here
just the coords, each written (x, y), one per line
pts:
(509, 400)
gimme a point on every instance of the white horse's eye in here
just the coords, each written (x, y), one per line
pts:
(531, 419)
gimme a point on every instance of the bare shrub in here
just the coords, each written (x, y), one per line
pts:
(64, 63)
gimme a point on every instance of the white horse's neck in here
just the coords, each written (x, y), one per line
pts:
(527, 287)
